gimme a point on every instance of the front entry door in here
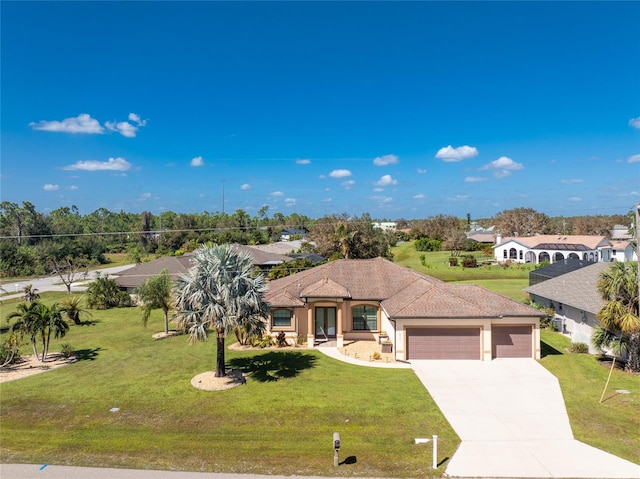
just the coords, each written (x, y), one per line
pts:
(325, 323)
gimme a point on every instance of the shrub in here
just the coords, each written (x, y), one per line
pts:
(427, 244)
(262, 342)
(376, 355)
(301, 340)
(281, 340)
(579, 348)
(66, 350)
(10, 351)
(453, 261)
(469, 261)
(423, 260)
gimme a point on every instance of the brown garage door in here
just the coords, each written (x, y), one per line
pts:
(443, 343)
(511, 342)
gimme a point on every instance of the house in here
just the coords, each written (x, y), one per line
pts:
(132, 278)
(574, 297)
(552, 248)
(482, 235)
(423, 317)
(622, 250)
(556, 269)
(292, 233)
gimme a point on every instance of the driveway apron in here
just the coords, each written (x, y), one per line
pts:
(511, 418)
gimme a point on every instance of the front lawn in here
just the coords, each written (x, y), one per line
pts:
(280, 422)
(614, 424)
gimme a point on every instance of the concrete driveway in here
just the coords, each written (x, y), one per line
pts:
(511, 418)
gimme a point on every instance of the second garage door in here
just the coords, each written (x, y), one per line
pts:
(511, 342)
(443, 343)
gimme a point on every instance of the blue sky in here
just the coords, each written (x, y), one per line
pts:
(400, 110)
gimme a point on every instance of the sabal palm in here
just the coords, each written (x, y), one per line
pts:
(70, 306)
(220, 293)
(618, 286)
(155, 293)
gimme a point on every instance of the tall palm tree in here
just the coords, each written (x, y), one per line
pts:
(154, 293)
(618, 286)
(26, 324)
(39, 320)
(219, 293)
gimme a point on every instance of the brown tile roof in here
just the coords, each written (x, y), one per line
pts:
(262, 258)
(401, 291)
(135, 276)
(572, 242)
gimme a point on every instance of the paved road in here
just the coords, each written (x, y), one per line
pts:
(53, 283)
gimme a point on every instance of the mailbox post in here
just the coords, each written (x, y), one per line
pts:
(336, 447)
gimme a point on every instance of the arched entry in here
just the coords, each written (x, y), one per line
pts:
(544, 256)
(558, 257)
(530, 257)
(573, 256)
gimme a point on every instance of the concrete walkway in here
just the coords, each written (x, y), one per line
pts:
(511, 418)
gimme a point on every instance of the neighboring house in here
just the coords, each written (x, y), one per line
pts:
(262, 259)
(623, 250)
(132, 278)
(424, 318)
(481, 235)
(385, 225)
(291, 233)
(556, 269)
(574, 297)
(282, 247)
(620, 232)
(552, 248)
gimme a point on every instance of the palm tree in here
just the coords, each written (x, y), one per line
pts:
(39, 320)
(155, 293)
(26, 313)
(70, 306)
(220, 293)
(30, 294)
(618, 286)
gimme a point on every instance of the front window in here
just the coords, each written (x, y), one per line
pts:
(365, 318)
(282, 318)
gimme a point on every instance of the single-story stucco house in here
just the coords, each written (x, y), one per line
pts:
(552, 248)
(424, 318)
(574, 297)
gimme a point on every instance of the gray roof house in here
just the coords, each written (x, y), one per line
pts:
(574, 297)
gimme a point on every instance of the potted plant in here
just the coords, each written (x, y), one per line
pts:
(387, 346)
(383, 336)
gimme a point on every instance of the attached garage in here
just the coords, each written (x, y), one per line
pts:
(512, 341)
(443, 343)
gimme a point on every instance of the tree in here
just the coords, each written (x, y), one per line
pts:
(522, 222)
(39, 320)
(30, 294)
(220, 292)
(618, 286)
(155, 293)
(70, 307)
(69, 269)
(104, 293)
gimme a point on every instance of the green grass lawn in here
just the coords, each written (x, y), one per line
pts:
(280, 422)
(614, 424)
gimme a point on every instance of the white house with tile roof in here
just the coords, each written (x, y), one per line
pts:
(552, 248)
(424, 318)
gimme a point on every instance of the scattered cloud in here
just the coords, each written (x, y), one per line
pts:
(145, 196)
(245, 186)
(634, 158)
(73, 187)
(277, 193)
(575, 198)
(348, 184)
(382, 199)
(386, 180)
(197, 161)
(635, 122)
(502, 167)
(82, 123)
(340, 174)
(125, 128)
(458, 197)
(303, 162)
(385, 160)
(573, 181)
(290, 201)
(475, 179)
(378, 190)
(449, 153)
(419, 196)
(421, 171)
(50, 187)
(112, 164)
(137, 120)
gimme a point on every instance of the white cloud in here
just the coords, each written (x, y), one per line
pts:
(82, 123)
(502, 167)
(378, 190)
(290, 201)
(382, 199)
(277, 193)
(348, 184)
(449, 153)
(386, 180)
(125, 128)
(137, 120)
(634, 158)
(385, 160)
(112, 164)
(50, 187)
(635, 122)
(421, 171)
(73, 187)
(575, 198)
(197, 161)
(475, 179)
(145, 196)
(245, 186)
(419, 196)
(303, 162)
(573, 181)
(458, 197)
(340, 174)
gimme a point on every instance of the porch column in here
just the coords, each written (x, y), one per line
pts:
(310, 329)
(339, 335)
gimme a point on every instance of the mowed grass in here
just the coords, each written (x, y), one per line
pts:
(508, 281)
(280, 422)
(614, 424)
